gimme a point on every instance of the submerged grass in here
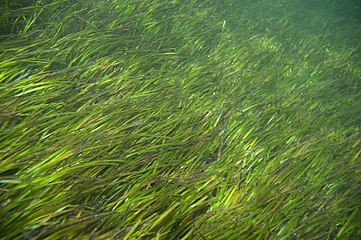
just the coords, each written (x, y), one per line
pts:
(180, 120)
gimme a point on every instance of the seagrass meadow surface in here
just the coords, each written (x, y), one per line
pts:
(197, 119)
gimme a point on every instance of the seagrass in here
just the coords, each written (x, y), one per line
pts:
(180, 119)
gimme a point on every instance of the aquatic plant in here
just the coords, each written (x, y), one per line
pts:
(179, 120)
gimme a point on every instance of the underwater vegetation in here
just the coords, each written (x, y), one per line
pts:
(199, 119)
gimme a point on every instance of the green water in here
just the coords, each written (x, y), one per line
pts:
(180, 119)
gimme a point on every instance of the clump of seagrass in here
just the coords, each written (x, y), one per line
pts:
(179, 120)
